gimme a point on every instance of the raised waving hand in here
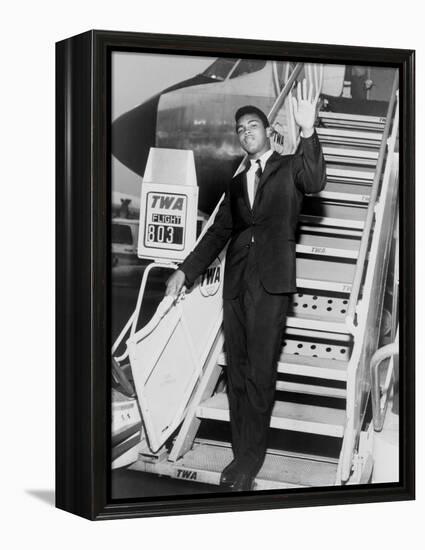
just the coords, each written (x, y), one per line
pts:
(304, 107)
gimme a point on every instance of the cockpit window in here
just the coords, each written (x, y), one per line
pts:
(121, 234)
(247, 66)
(220, 68)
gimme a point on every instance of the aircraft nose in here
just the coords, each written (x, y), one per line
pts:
(134, 133)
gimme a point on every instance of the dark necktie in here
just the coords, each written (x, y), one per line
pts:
(258, 173)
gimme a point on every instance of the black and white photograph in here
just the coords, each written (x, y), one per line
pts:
(254, 274)
(212, 233)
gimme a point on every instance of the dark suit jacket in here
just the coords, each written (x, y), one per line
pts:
(272, 221)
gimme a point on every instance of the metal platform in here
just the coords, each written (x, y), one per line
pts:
(205, 462)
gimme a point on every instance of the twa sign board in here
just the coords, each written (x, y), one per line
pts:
(169, 206)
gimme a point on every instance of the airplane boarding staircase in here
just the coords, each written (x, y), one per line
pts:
(319, 436)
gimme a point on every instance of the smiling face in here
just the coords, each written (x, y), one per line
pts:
(253, 136)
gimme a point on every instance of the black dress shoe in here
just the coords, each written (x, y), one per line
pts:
(229, 474)
(243, 482)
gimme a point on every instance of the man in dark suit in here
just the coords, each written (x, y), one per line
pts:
(259, 215)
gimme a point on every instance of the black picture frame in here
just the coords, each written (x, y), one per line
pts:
(82, 274)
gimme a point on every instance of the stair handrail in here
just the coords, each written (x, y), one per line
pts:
(163, 308)
(364, 244)
(385, 352)
(285, 91)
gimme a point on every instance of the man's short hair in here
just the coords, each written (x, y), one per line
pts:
(249, 110)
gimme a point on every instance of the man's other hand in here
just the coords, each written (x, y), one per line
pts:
(175, 283)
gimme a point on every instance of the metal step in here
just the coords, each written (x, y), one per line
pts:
(326, 251)
(331, 231)
(321, 209)
(312, 323)
(303, 365)
(330, 286)
(319, 306)
(343, 173)
(324, 275)
(322, 271)
(205, 462)
(285, 416)
(332, 222)
(364, 157)
(313, 367)
(326, 245)
(303, 318)
(342, 136)
(311, 389)
(345, 192)
(343, 337)
(351, 121)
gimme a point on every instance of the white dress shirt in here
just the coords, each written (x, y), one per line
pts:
(250, 175)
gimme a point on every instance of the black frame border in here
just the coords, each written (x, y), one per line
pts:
(82, 273)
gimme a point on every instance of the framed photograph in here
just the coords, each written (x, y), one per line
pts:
(235, 274)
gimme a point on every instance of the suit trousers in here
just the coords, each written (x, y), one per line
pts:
(254, 322)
